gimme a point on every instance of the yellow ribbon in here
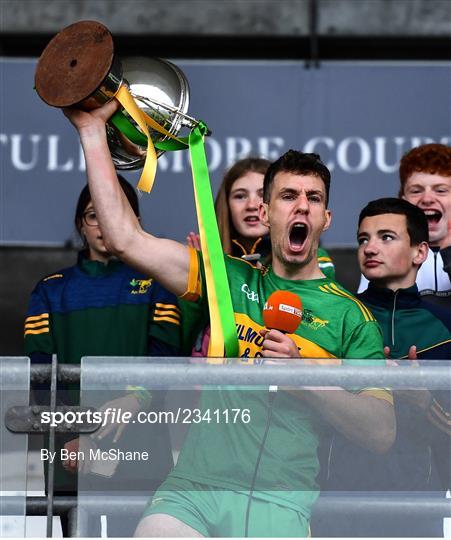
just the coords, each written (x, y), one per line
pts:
(150, 166)
(216, 345)
(144, 121)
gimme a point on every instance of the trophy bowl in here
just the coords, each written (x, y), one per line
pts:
(79, 68)
(161, 90)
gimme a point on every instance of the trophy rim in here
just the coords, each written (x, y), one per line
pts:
(75, 64)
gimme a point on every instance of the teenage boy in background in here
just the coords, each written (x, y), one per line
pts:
(425, 176)
(393, 244)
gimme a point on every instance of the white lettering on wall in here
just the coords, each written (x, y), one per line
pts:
(163, 163)
(352, 155)
(418, 141)
(315, 146)
(52, 164)
(237, 148)
(363, 150)
(215, 153)
(17, 151)
(177, 160)
(380, 157)
(271, 147)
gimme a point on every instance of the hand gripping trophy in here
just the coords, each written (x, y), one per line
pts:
(79, 68)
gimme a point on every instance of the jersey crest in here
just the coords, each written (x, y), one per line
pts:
(312, 321)
(140, 286)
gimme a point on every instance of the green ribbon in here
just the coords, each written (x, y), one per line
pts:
(123, 124)
(205, 206)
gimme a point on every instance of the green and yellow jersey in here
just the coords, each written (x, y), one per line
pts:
(336, 328)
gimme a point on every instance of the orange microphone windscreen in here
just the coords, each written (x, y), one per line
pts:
(283, 311)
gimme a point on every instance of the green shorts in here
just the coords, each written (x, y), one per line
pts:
(214, 512)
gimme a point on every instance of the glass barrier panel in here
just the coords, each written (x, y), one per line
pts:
(372, 440)
(14, 392)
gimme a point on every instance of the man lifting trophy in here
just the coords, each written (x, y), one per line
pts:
(79, 69)
(255, 477)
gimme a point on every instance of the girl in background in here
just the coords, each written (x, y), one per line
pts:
(239, 196)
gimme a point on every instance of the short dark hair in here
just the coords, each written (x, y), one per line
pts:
(416, 221)
(299, 163)
(85, 198)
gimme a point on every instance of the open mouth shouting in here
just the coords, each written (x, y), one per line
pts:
(433, 216)
(298, 236)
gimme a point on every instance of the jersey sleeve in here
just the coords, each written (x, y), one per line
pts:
(39, 343)
(363, 347)
(326, 264)
(165, 323)
(194, 304)
(196, 277)
(365, 342)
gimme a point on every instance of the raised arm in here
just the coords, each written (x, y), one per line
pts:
(165, 260)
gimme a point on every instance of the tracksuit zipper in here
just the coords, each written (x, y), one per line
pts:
(393, 319)
(435, 271)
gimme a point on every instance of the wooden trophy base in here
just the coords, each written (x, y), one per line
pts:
(74, 65)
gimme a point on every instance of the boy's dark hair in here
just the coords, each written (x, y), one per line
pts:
(430, 158)
(85, 198)
(298, 163)
(416, 221)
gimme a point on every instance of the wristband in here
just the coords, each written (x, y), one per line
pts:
(143, 396)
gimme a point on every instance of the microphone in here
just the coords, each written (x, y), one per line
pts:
(283, 311)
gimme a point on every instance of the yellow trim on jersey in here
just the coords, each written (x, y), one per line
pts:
(324, 259)
(428, 348)
(37, 317)
(167, 306)
(243, 261)
(167, 319)
(36, 324)
(35, 332)
(194, 286)
(249, 342)
(53, 276)
(168, 312)
(354, 299)
(244, 250)
(379, 393)
(332, 288)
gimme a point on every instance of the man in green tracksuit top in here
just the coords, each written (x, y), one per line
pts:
(296, 189)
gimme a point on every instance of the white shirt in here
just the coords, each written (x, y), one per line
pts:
(430, 278)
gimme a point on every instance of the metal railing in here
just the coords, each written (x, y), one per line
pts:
(107, 374)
